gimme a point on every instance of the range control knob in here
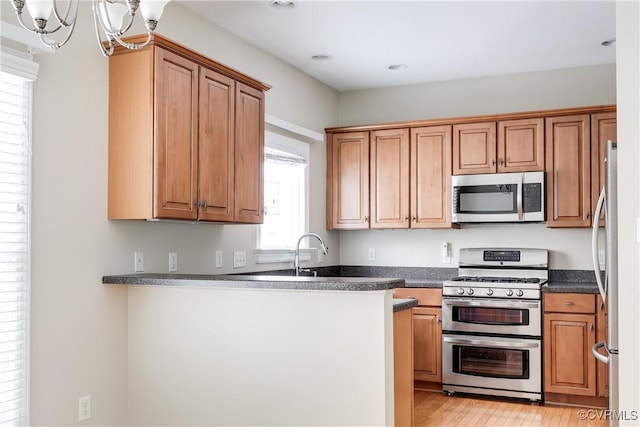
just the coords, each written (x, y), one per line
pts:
(460, 291)
(470, 291)
(509, 292)
(519, 292)
(489, 291)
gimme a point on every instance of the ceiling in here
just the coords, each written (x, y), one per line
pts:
(437, 40)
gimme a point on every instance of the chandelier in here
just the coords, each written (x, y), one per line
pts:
(108, 16)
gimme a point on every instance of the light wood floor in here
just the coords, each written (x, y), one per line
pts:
(436, 409)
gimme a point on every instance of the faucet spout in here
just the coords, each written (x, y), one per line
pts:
(296, 258)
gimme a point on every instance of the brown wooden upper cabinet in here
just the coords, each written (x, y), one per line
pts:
(474, 148)
(389, 178)
(348, 181)
(183, 131)
(568, 162)
(603, 129)
(576, 149)
(431, 177)
(516, 146)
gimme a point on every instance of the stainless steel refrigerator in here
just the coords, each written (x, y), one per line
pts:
(608, 286)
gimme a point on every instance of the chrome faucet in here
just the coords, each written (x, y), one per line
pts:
(296, 259)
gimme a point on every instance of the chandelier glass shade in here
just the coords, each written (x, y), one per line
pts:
(112, 19)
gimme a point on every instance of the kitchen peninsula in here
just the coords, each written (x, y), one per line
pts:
(259, 350)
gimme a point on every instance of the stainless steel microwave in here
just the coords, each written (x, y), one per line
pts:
(498, 197)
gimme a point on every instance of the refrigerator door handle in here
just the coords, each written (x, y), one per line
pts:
(600, 357)
(594, 244)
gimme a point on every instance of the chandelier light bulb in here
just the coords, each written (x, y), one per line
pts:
(40, 9)
(113, 16)
(151, 10)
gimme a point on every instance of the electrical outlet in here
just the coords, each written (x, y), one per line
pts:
(601, 259)
(372, 254)
(320, 255)
(84, 408)
(173, 262)
(218, 258)
(138, 262)
(239, 259)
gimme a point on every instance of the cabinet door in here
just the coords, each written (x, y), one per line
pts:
(216, 146)
(389, 171)
(348, 181)
(521, 145)
(176, 149)
(474, 148)
(431, 177)
(427, 344)
(249, 155)
(568, 166)
(601, 335)
(603, 129)
(569, 366)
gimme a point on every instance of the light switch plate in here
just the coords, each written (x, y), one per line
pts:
(218, 258)
(371, 255)
(173, 262)
(138, 266)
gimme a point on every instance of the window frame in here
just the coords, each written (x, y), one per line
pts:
(300, 148)
(22, 65)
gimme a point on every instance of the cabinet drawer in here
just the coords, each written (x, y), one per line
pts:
(570, 303)
(425, 296)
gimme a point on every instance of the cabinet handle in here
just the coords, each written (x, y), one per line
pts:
(414, 218)
(493, 162)
(601, 306)
(366, 219)
(569, 303)
(501, 162)
(205, 205)
(406, 218)
(591, 327)
(587, 215)
(439, 321)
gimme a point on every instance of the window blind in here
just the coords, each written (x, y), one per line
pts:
(15, 110)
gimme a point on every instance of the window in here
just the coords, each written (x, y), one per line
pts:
(15, 158)
(285, 192)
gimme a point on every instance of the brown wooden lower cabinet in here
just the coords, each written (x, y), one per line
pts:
(403, 367)
(427, 334)
(571, 371)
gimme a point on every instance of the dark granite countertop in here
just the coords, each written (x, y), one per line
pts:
(571, 287)
(257, 281)
(400, 304)
(423, 283)
(571, 281)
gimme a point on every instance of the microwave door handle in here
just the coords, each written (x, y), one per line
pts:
(519, 196)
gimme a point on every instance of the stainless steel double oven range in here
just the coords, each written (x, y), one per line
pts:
(492, 323)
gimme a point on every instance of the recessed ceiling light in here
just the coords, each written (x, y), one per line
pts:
(610, 42)
(283, 3)
(321, 57)
(395, 67)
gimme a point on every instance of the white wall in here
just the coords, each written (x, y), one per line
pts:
(628, 60)
(79, 326)
(570, 248)
(260, 357)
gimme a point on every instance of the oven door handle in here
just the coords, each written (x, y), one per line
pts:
(484, 343)
(490, 303)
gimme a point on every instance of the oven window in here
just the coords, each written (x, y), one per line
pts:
(491, 362)
(491, 316)
(487, 199)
